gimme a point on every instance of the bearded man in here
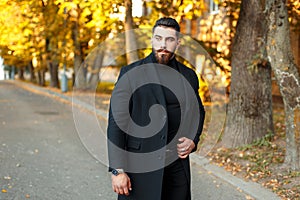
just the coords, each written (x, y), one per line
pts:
(171, 180)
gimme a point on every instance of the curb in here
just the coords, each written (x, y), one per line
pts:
(253, 189)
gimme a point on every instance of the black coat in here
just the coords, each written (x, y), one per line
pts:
(147, 184)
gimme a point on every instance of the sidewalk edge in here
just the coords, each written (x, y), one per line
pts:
(251, 188)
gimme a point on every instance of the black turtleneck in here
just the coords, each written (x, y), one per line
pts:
(172, 104)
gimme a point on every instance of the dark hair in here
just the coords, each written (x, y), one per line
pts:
(167, 22)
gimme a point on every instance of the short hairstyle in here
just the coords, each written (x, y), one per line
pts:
(167, 22)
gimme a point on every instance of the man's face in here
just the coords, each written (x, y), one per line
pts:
(164, 43)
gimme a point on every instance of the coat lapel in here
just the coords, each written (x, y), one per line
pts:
(151, 75)
(183, 82)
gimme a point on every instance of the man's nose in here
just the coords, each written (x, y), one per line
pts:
(163, 44)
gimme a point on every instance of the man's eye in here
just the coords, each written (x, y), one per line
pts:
(158, 38)
(170, 39)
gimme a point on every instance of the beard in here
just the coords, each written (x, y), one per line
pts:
(163, 56)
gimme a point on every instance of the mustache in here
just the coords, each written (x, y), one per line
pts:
(163, 50)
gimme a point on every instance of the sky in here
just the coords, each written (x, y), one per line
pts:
(137, 6)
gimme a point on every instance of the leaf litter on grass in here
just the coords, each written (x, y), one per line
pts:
(262, 161)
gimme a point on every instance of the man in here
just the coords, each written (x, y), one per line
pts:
(171, 180)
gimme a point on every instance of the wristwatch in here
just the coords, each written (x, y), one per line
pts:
(116, 172)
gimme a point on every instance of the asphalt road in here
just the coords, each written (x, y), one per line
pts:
(42, 156)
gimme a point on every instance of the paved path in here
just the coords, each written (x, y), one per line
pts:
(43, 157)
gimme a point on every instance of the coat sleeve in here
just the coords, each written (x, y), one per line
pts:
(116, 139)
(195, 85)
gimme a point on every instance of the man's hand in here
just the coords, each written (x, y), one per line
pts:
(185, 147)
(121, 183)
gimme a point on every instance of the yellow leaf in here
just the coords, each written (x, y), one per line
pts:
(273, 42)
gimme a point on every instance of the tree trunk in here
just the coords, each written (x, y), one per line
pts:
(21, 73)
(53, 69)
(95, 69)
(31, 70)
(80, 71)
(249, 114)
(281, 58)
(188, 32)
(41, 77)
(130, 38)
(52, 62)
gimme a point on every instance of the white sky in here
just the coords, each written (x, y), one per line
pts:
(137, 8)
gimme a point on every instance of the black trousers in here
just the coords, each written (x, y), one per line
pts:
(175, 182)
(175, 185)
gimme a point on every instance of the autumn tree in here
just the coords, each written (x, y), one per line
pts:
(130, 38)
(53, 36)
(90, 23)
(249, 112)
(273, 48)
(40, 28)
(29, 37)
(15, 46)
(287, 75)
(99, 25)
(76, 25)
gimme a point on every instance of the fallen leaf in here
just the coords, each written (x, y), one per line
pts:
(249, 197)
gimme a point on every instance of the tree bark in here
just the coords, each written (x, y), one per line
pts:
(41, 70)
(80, 71)
(53, 69)
(41, 77)
(52, 62)
(249, 114)
(188, 31)
(130, 38)
(21, 73)
(95, 69)
(31, 70)
(281, 58)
